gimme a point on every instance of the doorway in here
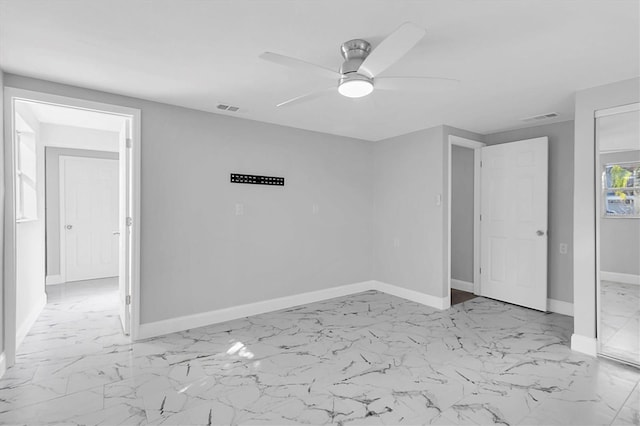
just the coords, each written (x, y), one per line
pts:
(464, 229)
(88, 219)
(507, 219)
(72, 169)
(618, 233)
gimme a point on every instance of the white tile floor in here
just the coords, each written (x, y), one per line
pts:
(620, 326)
(369, 358)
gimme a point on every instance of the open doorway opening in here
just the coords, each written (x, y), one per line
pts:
(464, 203)
(71, 248)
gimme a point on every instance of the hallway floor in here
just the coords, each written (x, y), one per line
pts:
(368, 358)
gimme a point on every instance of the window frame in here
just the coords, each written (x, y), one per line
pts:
(23, 179)
(605, 190)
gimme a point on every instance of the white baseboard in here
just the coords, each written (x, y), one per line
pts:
(187, 322)
(23, 329)
(414, 296)
(560, 307)
(3, 364)
(159, 328)
(54, 279)
(462, 285)
(585, 345)
(620, 278)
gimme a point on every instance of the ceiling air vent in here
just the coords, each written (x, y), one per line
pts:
(541, 117)
(227, 107)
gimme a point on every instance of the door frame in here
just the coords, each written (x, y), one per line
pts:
(598, 202)
(476, 146)
(11, 95)
(62, 206)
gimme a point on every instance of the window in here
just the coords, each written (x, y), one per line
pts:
(26, 195)
(621, 189)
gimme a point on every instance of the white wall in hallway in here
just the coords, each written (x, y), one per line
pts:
(78, 137)
(30, 244)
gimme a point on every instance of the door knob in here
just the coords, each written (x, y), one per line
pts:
(116, 232)
(69, 226)
(539, 233)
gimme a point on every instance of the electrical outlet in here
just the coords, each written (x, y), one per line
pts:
(239, 209)
(396, 242)
(315, 208)
(563, 248)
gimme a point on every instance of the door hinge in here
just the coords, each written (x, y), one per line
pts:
(480, 218)
(129, 221)
(480, 163)
(129, 143)
(128, 299)
(480, 270)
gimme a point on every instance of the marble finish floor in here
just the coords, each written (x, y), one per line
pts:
(368, 358)
(620, 321)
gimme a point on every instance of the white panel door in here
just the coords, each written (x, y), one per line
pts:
(89, 217)
(124, 279)
(513, 223)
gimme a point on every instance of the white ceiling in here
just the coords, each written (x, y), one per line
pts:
(515, 58)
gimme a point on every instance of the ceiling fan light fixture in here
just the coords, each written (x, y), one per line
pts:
(355, 87)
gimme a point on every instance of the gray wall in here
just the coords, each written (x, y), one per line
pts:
(408, 238)
(560, 218)
(620, 237)
(52, 194)
(197, 255)
(584, 215)
(462, 180)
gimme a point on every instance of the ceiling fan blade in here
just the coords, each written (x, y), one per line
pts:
(392, 48)
(299, 64)
(429, 84)
(307, 97)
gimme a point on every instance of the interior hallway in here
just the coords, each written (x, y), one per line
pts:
(368, 358)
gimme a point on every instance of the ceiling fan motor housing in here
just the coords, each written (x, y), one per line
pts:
(354, 52)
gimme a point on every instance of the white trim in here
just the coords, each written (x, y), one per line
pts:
(462, 285)
(560, 307)
(32, 317)
(617, 110)
(3, 364)
(415, 296)
(54, 279)
(476, 146)
(202, 319)
(62, 217)
(620, 278)
(11, 95)
(187, 322)
(583, 344)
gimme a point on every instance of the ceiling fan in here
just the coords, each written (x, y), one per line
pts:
(359, 75)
